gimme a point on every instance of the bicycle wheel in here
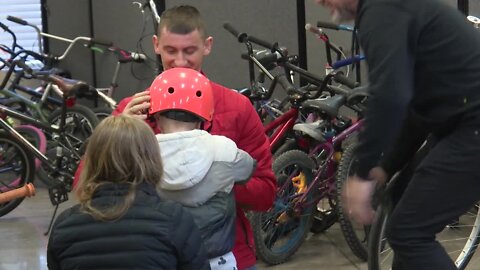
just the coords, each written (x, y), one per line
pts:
(16, 169)
(102, 112)
(36, 137)
(281, 230)
(460, 239)
(356, 235)
(79, 125)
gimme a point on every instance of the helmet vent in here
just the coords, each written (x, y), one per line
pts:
(198, 93)
(171, 90)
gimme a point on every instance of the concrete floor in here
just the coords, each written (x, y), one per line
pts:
(23, 245)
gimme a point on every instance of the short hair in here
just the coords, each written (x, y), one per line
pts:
(182, 20)
(121, 150)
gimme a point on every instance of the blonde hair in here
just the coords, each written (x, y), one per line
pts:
(121, 150)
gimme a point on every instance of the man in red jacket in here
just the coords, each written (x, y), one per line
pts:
(181, 41)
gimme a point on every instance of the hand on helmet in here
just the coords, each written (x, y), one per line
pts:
(138, 106)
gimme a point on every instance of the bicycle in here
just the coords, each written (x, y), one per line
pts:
(16, 152)
(80, 120)
(317, 138)
(355, 235)
(105, 94)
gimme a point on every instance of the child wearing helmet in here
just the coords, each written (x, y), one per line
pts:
(200, 169)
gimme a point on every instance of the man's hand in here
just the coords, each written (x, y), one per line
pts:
(357, 195)
(138, 106)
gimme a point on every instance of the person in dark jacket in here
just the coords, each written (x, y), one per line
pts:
(424, 74)
(182, 41)
(121, 222)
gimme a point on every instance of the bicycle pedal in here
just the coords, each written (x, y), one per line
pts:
(58, 194)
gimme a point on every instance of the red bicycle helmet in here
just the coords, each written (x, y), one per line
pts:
(182, 90)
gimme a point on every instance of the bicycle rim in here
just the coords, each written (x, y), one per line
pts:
(460, 240)
(280, 231)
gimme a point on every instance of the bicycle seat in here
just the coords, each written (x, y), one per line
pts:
(313, 130)
(357, 95)
(329, 105)
(69, 87)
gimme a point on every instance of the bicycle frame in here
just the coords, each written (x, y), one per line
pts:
(36, 106)
(280, 126)
(4, 110)
(326, 171)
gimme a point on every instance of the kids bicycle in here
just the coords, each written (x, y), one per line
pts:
(17, 154)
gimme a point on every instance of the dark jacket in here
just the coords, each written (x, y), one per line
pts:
(424, 70)
(216, 221)
(153, 234)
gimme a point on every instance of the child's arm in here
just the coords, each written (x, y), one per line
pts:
(243, 167)
(186, 237)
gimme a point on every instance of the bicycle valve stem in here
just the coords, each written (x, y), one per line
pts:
(26, 191)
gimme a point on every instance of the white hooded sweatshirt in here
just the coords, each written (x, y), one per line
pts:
(197, 165)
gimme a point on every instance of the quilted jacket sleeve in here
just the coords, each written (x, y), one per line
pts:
(258, 193)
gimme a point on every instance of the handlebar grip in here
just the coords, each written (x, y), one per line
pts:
(101, 42)
(230, 29)
(283, 81)
(260, 42)
(348, 61)
(17, 20)
(339, 77)
(328, 25)
(138, 57)
(24, 66)
(26, 191)
(4, 27)
(333, 26)
(240, 36)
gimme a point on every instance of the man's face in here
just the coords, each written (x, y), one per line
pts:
(340, 10)
(178, 50)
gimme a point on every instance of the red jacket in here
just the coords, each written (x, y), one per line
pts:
(235, 118)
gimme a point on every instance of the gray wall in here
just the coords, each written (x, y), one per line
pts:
(270, 20)
(121, 22)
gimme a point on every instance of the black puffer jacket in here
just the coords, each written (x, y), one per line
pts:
(153, 234)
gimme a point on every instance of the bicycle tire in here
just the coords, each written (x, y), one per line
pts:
(358, 246)
(378, 244)
(13, 152)
(297, 225)
(288, 145)
(102, 112)
(80, 124)
(36, 137)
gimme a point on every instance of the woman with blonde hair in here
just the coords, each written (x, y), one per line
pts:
(120, 221)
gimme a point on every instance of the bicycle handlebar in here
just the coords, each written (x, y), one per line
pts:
(347, 61)
(17, 20)
(240, 36)
(4, 27)
(322, 83)
(26, 191)
(243, 37)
